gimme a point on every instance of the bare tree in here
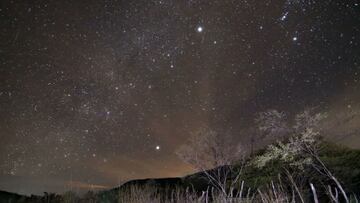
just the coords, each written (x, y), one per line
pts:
(294, 139)
(213, 154)
(300, 145)
(272, 123)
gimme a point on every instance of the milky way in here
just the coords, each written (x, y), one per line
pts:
(93, 93)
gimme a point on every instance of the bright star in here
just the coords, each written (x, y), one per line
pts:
(200, 29)
(157, 147)
(284, 16)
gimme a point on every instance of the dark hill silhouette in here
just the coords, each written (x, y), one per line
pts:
(12, 197)
(344, 162)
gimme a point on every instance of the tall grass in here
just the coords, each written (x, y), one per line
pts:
(272, 193)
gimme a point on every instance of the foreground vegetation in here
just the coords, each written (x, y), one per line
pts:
(298, 166)
(275, 182)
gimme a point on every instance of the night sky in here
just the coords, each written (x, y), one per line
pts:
(94, 93)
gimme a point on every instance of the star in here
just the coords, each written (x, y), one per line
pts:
(115, 82)
(284, 16)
